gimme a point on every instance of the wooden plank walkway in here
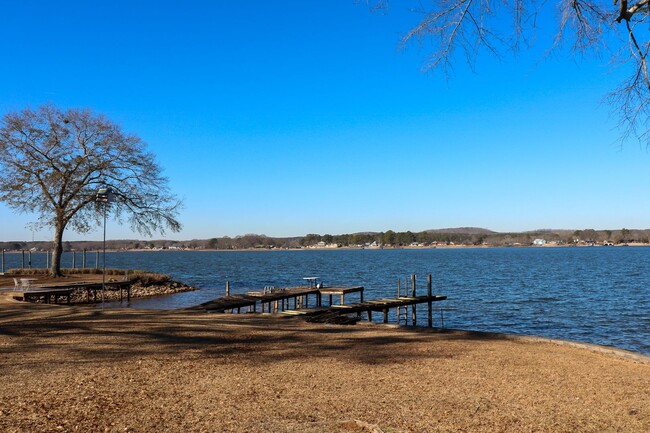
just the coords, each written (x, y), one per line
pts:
(341, 291)
(333, 313)
(95, 287)
(49, 295)
(276, 300)
(52, 292)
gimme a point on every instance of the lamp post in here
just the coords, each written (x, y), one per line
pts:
(104, 195)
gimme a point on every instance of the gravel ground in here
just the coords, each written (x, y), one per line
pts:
(73, 369)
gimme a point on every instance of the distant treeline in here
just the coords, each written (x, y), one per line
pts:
(465, 236)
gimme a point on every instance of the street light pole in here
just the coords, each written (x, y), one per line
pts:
(104, 195)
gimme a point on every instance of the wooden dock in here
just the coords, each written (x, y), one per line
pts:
(278, 300)
(281, 300)
(52, 293)
(48, 295)
(342, 313)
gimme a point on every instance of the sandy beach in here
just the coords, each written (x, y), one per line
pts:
(75, 369)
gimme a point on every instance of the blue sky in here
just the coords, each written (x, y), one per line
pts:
(294, 117)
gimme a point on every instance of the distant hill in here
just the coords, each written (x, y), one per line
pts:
(463, 230)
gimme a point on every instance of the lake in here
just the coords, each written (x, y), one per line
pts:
(597, 295)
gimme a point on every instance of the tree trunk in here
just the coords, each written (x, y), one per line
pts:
(55, 267)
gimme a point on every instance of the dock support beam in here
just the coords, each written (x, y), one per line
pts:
(430, 307)
(414, 306)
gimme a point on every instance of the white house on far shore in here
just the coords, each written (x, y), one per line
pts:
(539, 242)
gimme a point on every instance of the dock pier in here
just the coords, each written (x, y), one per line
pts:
(279, 301)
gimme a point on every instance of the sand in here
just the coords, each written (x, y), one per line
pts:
(76, 369)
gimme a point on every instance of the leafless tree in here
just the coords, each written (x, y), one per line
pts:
(453, 28)
(53, 162)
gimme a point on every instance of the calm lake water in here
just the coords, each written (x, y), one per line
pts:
(596, 295)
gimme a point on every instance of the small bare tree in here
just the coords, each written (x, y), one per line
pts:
(53, 163)
(454, 28)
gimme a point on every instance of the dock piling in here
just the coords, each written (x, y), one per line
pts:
(414, 306)
(399, 293)
(430, 307)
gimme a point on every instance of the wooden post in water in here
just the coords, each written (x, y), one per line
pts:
(47, 259)
(3, 260)
(29, 262)
(83, 259)
(22, 265)
(414, 306)
(399, 293)
(227, 288)
(406, 307)
(97, 259)
(429, 290)
(74, 259)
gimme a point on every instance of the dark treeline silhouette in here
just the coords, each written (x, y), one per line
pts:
(466, 236)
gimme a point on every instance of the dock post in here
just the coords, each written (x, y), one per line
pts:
(83, 259)
(369, 315)
(29, 262)
(22, 265)
(342, 298)
(385, 315)
(96, 259)
(3, 260)
(74, 260)
(406, 307)
(429, 301)
(399, 293)
(414, 306)
(47, 259)
(330, 300)
(227, 288)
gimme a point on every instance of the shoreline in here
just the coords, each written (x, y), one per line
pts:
(407, 247)
(147, 371)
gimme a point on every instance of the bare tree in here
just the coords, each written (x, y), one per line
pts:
(53, 162)
(453, 28)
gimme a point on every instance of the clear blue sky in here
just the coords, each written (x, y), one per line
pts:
(292, 117)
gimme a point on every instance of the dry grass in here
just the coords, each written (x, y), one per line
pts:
(73, 369)
(143, 277)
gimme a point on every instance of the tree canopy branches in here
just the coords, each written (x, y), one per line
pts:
(450, 28)
(54, 162)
